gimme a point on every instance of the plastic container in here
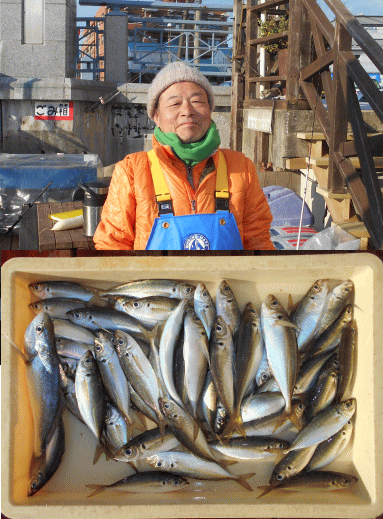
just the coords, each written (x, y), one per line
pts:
(252, 278)
(286, 207)
(286, 238)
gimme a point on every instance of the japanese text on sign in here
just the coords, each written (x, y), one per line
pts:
(54, 111)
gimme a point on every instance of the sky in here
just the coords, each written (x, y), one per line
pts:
(367, 7)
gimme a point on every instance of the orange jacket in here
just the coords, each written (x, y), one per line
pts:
(130, 208)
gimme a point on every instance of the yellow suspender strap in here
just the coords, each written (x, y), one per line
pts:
(162, 191)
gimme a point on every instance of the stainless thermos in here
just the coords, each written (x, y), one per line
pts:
(95, 194)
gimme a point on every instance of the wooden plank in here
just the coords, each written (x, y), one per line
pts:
(317, 136)
(62, 238)
(77, 238)
(266, 5)
(325, 160)
(268, 39)
(44, 224)
(296, 163)
(28, 239)
(317, 65)
(267, 79)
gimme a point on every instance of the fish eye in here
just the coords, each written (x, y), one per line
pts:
(219, 328)
(280, 445)
(204, 293)
(349, 422)
(34, 485)
(143, 446)
(279, 477)
(316, 287)
(39, 328)
(176, 481)
(88, 360)
(289, 468)
(347, 405)
(274, 302)
(264, 376)
(120, 341)
(346, 481)
(188, 290)
(128, 451)
(136, 304)
(301, 406)
(97, 347)
(252, 310)
(159, 464)
(76, 315)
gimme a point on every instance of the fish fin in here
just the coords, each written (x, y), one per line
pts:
(226, 463)
(101, 448)
(97, 300)
(242, 480)
(235, 424)
(21, 353)
(196, 430)
(133, 465)
(288, 415)
(291, 306)
(288, 324)
(97, 489)
(266, 490)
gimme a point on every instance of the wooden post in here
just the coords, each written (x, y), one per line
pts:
(339, 120)
(237, 85)
(299, 48)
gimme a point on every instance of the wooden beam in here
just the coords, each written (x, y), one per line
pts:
(267, 5)
(268, 39)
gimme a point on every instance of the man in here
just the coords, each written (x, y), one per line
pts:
(186, 194)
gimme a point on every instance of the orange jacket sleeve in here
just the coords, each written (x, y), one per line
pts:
(257, 216)
(116, 228)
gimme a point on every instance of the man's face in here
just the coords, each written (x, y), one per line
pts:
(183, 109)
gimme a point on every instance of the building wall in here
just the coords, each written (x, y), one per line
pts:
(41, 44)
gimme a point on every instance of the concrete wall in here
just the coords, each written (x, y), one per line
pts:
(40, 47)
(111, 129)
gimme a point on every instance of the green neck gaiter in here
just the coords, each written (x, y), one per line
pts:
(192, 152)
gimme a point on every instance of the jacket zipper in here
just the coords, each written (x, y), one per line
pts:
(193, 202)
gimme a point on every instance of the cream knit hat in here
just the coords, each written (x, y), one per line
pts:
(176, 72)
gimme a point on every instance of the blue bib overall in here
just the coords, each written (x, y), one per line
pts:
(212, 231)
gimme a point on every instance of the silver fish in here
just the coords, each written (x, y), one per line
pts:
(222, 362)
(331, 337)
(251, 447)
(116, 432)
(309, 372)
(168, 343)
(186, 429)
(336, 300)
(90, 394)
(153, 287)
(309, 311)
(145, 444)
(324, 391)
(248, 357)
(56, 307)
(196, 358)
(330, 449)
(291, 465)
(188, 465)
(264, 372)
(144, 482)
(43, 380)
(316, 481)
(112, 374)
(69, 392)
(324, 424)
(139, 372)
(95, 318)
(227, 307)
(204, 307)
(55, 449)
(281, 347)
(150, 311)
(68, 289)
(262, 404)
(71, 349)
(68, 330)
(347, 355)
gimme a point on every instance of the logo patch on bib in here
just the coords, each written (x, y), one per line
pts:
(196, 241)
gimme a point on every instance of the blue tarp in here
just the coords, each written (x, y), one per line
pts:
(36, 171)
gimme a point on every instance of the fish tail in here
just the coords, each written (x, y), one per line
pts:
(266, 490)
(97, 300)
(242, 480)
(97, 489)
(288, 414)
(149, 335)
(235, 424)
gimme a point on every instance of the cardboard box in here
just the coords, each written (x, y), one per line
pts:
(252, 278)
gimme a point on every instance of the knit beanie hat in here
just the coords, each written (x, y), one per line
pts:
(176, 72)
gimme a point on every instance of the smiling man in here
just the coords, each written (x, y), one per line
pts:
(186, 193)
